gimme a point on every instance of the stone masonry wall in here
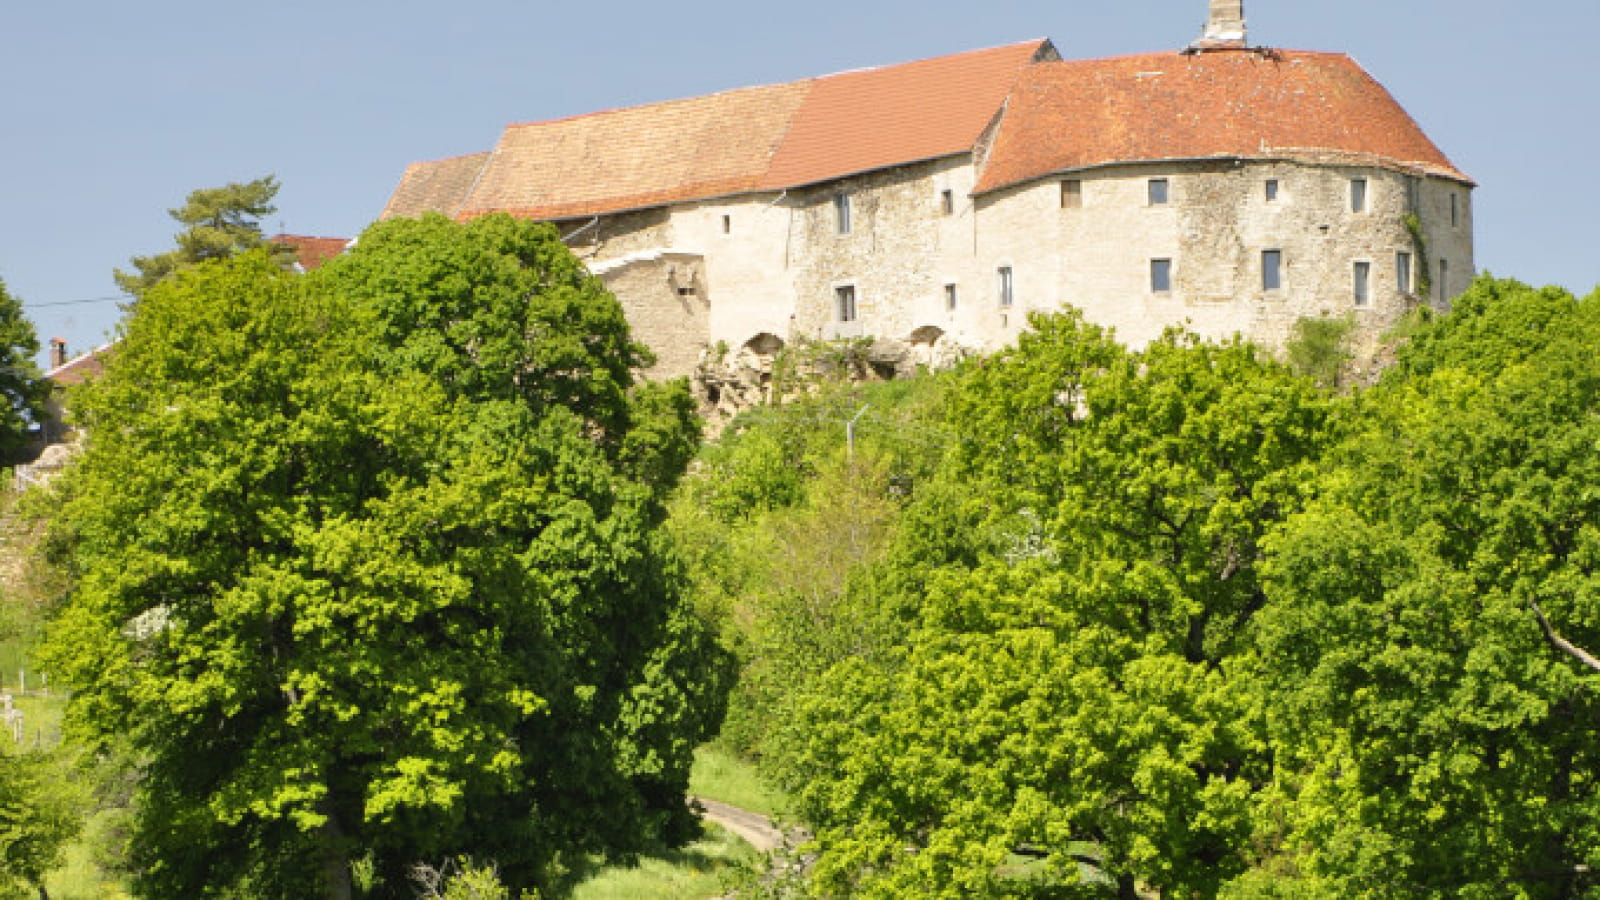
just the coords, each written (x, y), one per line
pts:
(770, 265)
(664, 296)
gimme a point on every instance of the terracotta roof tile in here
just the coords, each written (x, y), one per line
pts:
(637, 157)
(311, 252)
(760, 138)
(437, 186)
(1159, 106)
(875, 118)
(81, 368)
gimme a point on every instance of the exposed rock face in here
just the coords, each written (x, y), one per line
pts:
(50, 463)
(730, 382)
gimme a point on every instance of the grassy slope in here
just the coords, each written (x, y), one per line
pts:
(719, 775)
(698, 871)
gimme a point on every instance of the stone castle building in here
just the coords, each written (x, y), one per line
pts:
(935, 203)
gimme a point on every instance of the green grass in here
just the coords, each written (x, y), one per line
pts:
(695, 872)
(80, 877)
(722, 776)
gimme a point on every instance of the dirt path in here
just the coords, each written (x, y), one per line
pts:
(752, 827)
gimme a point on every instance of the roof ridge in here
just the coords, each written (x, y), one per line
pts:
(793, 82)
(611, 110)
(935, 58)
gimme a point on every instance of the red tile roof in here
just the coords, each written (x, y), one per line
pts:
(1047, 116)
(637, 157)
(1170, 106)
(440, 186)
(311, 252)
(876, 118)
(753, 139)
(81, 368)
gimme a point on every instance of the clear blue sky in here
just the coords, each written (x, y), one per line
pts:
(114, 111)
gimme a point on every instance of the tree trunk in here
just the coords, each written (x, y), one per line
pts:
(335, 859)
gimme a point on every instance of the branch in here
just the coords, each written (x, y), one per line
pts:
(1561, 643)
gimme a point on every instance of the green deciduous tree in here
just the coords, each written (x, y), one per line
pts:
(37, 819)
(218, 222)
(1077, 600)
(368, 566)
(1432, 743)
(22, 392)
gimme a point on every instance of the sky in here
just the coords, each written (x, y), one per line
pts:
(111, 112)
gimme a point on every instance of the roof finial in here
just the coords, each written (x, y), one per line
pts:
(1225, 27)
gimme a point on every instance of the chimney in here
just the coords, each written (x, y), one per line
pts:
(1225, 27)
(58, 353)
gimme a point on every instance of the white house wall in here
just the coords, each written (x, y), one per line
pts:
(775, 264)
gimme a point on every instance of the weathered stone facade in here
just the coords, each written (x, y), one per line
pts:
(774, 265)
(1229, 189)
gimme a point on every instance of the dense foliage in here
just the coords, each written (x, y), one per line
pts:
(1434, 743)
(368, 570)
(37, 818)
(1180, 622)
(22, 391)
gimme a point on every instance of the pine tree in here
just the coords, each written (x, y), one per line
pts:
(219, 222)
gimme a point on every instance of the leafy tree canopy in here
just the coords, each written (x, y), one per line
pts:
(22, 392)
(37, 819)
(1076, 616)
(367, 572)
(218, 222)
(1433, 743)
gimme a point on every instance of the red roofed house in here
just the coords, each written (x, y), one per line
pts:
(937, 202)
(311, 252)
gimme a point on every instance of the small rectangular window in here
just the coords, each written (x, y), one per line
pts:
(1272, 190)
(1006, 295)
(1402, 272)
(1160, 275)
(1158, 192)
(845, 302)
(1455, 211)
(1444, 279)
(1071, 193)
(947, 202)
(1363, 275)
(1358, 195)
(727, 224)
(841, 212)
(950, 297)
(1271, 274)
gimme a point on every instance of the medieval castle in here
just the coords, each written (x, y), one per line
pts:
(935, 203)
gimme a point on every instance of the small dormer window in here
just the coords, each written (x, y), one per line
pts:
(1156, 191)
(841, 212)
(1358, 195)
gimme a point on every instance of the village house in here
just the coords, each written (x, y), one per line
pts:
(935, 203)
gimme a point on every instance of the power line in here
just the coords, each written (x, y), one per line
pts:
(27, 305)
